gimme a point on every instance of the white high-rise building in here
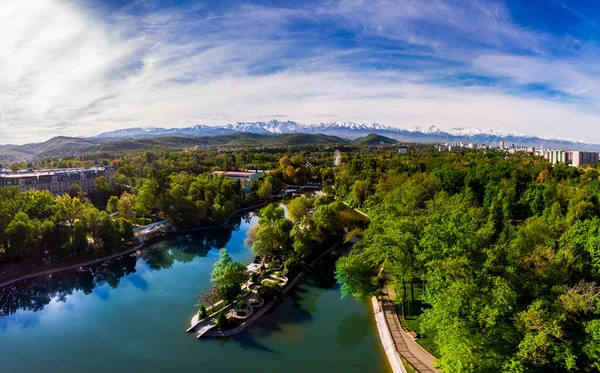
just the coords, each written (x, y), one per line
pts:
(557, 156)
(579, 158)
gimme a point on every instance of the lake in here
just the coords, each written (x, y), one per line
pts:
(130, 315)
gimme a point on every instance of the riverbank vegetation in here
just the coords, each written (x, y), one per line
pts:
(494, 258)
(36, 225)
(505, 250)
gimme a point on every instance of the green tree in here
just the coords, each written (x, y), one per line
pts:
(298, 208)
(75, 191)
(79, 241)
(356, 276)
(101, 185)
(23, 236)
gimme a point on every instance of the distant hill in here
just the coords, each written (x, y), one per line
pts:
(373, 139)
(61, 145)
(71, 146)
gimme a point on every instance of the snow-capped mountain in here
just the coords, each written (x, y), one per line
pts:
(353, 130)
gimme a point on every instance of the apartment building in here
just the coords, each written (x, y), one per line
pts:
(57, 181)
(579, 158)
(575, 158)
(557, 156)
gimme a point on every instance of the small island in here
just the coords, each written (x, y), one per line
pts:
(241, 294)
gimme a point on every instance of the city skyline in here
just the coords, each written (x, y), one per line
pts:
(83, 67)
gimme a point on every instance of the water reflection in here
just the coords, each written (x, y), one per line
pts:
(37, 293)
(353, 329)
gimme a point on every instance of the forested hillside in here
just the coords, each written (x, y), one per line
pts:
(61, 147)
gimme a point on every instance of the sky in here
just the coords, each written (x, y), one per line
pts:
(81, 67)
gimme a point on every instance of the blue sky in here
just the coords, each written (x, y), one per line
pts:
(81, 67)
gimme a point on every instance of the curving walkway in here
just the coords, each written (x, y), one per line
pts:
(386, 339)
(419, 359)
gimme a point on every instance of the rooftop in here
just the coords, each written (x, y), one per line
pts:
(51, 172)
(234, 173)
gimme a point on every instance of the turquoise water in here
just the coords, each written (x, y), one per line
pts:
(130, 315)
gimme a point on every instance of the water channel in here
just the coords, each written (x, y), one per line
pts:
(130, 314)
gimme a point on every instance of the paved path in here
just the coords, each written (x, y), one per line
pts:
(419, 359)
(386, 339)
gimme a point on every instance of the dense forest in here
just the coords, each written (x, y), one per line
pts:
(495, 258)
(504, 251)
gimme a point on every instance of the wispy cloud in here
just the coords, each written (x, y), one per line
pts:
(65, 70)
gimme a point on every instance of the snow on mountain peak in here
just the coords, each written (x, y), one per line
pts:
(336, 128)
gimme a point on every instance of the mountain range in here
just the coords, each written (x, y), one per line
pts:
(352, 130)
(270, 133)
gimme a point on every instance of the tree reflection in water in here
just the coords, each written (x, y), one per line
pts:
(36, 293)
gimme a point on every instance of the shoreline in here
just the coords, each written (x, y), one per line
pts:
(122, 253)
(73, 266)
(386, 339)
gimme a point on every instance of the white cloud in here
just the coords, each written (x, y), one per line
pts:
(63, 72)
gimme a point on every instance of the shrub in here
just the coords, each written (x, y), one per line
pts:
(264, 274)
(222, 321)
(273, 265)
(203, 312)
(242, 305)
(269, 291)
(254, 277)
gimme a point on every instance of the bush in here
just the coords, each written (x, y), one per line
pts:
(273, 265)
(264, 274)
(222, 321)
(254, 277)
(269, 291)
(203, 312)
(242, 305)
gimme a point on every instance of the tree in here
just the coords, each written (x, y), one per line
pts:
(285, 162)
(79, 241)
(222, 321)
(23, 236)
(359, 193)
(108, 232)
(298, 208)
(112, 205)
(228, 276)
(126, 229)
(75, 190)
(208, 297)
(48, 235)
(265, 190)
(220, 265)
(101, 185)
(273, 238)
(69, 209)
(356, 276)
(126, 206)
